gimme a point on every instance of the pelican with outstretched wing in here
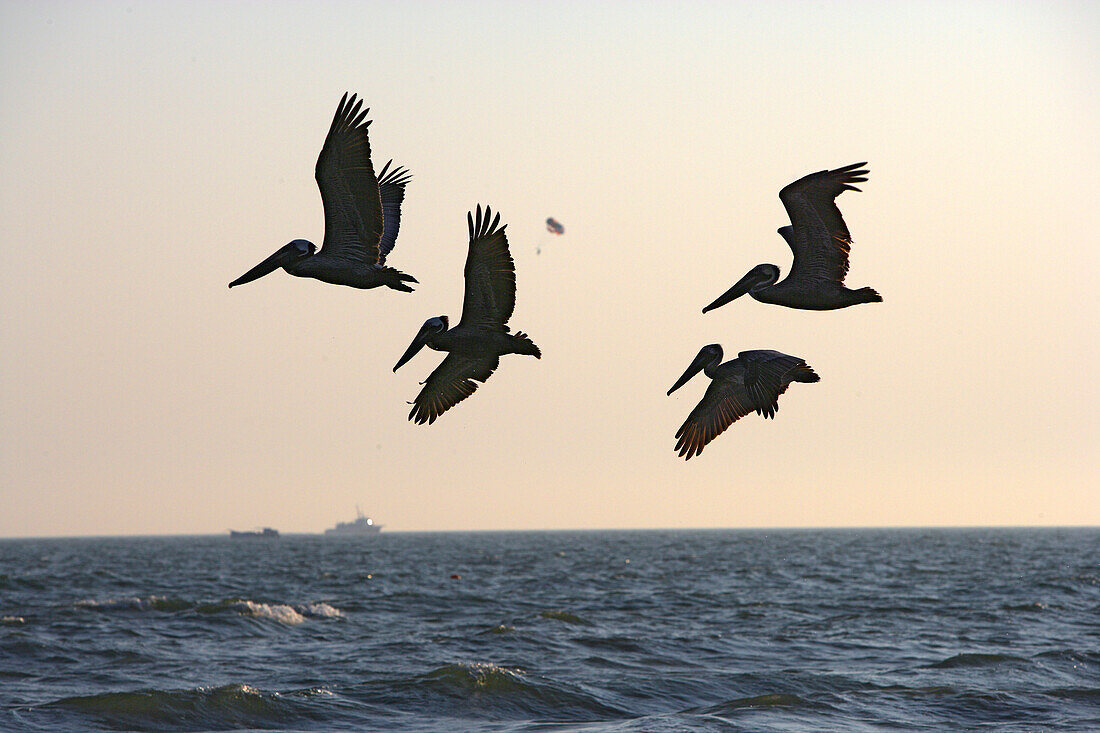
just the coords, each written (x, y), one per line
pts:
(362, 213)
(820, 241)
(481, 337)
(752, 381)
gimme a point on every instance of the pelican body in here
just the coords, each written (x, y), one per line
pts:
(820, 241)
(362, 213)
(752, 381)
(481, 337)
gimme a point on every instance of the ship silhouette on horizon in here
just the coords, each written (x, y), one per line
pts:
(361, 525)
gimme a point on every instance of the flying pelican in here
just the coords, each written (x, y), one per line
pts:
(752, 381)
(820, 241)
(480, 338)
(362, 213)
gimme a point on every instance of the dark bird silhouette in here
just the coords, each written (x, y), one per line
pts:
(752, 381)
(481, 336)
(820, 241)
(362, 213)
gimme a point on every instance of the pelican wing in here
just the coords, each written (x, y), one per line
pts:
(349, 188)
(818, 236)
(453, 380)
(490, 273)
(726, 401)
(768, 374)
(391, 189)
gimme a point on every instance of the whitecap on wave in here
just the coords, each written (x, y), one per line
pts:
(281, 612)
(287, 614)
(134, 603)
(322, 610)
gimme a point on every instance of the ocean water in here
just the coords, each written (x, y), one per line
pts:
(823, 630)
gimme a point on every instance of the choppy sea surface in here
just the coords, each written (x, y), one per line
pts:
(791, 630)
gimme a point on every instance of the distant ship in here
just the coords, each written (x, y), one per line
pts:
(267, 532)
(363, 525)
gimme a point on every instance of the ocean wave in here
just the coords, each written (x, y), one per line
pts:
(134, 603)
(975, 660)
(508, 692)
(320, 610)
(277, 612)
(1031, 607)
(236, 705)
(1069, 664)
(1069, 655)
(281, 612)
(771, 700)
(612, 643)
(1074, 693)
(18, 582)
(478, 677)
(564, 616)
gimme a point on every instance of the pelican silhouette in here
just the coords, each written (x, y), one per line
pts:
(820, 241)
(752, 381)
(362, 213)
(481, 336)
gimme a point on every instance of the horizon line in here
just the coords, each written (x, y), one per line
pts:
(787, 528)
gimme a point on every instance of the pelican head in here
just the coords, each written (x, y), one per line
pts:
(431, 328)
(757, 278)
(708, 356)
(286, 255)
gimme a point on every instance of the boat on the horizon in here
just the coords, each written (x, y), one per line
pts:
(361, 525)
(266, 532)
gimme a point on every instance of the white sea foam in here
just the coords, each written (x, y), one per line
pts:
(139, 604)
(109, 603)
(278, 611)
(281, 612)
(287, 614)
(321, 609)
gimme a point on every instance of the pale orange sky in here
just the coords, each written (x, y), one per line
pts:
(152, 152)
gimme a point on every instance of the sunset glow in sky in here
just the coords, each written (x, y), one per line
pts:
(152, 152)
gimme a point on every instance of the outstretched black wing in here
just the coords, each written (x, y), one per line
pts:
(768, 374)
(818, 236)
(725, 402)
(391, 189)
(453, 380)
(349, 188)
(490, 273)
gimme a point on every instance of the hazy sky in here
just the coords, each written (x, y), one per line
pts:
(152, 152)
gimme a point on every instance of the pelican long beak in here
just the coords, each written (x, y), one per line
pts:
(418, 343)
(696, 367)
(743, 286)
(282, 257)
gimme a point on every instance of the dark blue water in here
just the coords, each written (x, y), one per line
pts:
(553, 631)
